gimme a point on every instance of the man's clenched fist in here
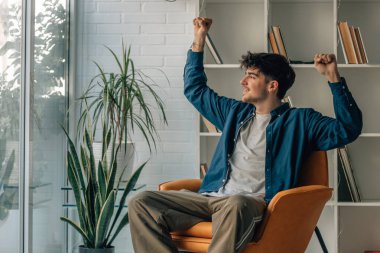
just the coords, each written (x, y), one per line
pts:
(326, 65)
(201, 28)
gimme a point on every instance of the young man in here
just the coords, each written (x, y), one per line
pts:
(260, 152)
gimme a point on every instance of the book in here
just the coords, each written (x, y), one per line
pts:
(363, 53)
(210, 127)
(356, 45)
(279, 41)
(348, 173)
(204, 169)
(347, 44)
(213, 51)
(273, 43)
(278, 46)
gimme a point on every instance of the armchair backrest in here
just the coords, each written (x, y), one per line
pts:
(315, 170)
(314, 173)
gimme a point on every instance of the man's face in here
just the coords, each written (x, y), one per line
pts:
(254, 86)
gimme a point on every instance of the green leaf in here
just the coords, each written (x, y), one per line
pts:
(76, 226)
(85, 162)
(90, 204)
(113, 169)
(102, 182)
(72, 149)
(88, 141)
(116, 58)
(98, 206)
(76, 190)
(104, 221)
(77, 172)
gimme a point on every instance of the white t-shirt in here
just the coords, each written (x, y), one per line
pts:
(247, 174)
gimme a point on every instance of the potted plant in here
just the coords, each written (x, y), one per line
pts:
(114, 102)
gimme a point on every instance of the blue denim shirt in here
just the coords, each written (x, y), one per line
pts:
(292, 134)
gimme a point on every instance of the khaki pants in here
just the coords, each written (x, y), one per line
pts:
(153, 214)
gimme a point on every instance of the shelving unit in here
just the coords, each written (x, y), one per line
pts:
(309, 27)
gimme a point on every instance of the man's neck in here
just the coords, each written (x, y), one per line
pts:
(265, 107)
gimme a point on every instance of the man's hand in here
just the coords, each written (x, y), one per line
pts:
(201, 27)
(326, 65)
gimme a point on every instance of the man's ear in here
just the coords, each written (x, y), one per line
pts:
(273, 86)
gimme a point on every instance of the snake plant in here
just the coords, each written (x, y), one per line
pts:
(95, 189)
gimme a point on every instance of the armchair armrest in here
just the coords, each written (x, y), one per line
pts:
(286, 214)
(189, 184)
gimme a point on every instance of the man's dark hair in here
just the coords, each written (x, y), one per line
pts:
(273, 66)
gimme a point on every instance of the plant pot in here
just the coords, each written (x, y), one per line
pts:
(82, 249)
(123, 159)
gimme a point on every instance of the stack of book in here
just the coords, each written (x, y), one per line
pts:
(349, 182)
(277, 42)
(352, 43)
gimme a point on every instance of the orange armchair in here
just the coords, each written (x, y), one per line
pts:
(288, 222)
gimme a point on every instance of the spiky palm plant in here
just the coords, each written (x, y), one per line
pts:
(121, 99)
(115, 100)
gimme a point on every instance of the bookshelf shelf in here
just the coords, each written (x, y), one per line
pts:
(206, 134)
(237, 66)
(358, 65)
(308, 27)
(302, 66)
(360, 204)
(370, 135)
(222, 66)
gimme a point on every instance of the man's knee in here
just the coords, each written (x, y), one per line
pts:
(237, 201)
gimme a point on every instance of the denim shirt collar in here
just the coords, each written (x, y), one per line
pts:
(276, 111)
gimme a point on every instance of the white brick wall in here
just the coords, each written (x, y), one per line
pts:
(159, 33)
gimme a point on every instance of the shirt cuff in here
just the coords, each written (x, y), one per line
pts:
(195, 58)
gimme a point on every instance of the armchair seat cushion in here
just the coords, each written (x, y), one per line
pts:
(200, 230)
(200, 245)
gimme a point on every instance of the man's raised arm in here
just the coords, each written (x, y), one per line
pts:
(325, 132)
(212, 106)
